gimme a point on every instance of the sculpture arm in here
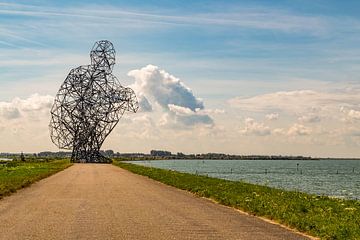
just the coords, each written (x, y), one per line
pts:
(130, 99)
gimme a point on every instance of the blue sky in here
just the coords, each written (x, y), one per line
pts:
(222, 50)
(256, 40)
(250, 39)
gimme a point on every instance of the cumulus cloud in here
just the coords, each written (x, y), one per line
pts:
(353, 114)
(332, 107)
(299, 101)
(310, 118)
(350, 115)
(298, 130)
(294, 130)
(213, 111)
(30, 107)
(272, 116)
(8, 111)
(144, 104)
(156, 86)
(24, 123)
(279, 131)
(255, 128)
(188, 117)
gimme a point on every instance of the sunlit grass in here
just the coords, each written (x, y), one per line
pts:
(16, 175)
(321, 216)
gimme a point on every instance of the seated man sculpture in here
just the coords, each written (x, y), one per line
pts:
(88, 106)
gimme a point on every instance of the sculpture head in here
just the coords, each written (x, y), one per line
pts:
(103, 56)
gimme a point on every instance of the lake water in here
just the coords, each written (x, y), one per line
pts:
(337, 178)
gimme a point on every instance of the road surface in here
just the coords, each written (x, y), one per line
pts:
(102, 201)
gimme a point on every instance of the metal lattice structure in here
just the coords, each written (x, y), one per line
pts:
(88, 106)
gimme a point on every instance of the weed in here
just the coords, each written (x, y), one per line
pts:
(15, 175)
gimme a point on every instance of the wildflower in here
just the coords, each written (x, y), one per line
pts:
(350, 209)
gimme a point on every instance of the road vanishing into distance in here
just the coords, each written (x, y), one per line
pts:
(102, 201)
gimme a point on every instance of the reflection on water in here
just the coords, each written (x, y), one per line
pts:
(338, 178)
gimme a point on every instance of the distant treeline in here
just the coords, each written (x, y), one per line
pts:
(161, 155)
(220, 156)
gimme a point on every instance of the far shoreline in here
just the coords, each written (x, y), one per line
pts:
(234, 159)
(167, 155)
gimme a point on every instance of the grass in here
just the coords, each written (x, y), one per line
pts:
(319, 216)
(16, 175)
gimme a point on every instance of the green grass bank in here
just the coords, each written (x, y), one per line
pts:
(319, 216)
(16, 175)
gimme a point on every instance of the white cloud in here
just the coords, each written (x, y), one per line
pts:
(306, 105)
(272, 116)
(298, 130)
(279, 131)
(144, 104)
(310, 118)
(213, 111)
(255, 128)
(148, 130)
(164, 88)
(156, 86)
(35, 106)
(8, 111)
(25, 127)
(353, 114)
(180, 111)
(187, 117)
(350, 115)
(293, 101)
(294, 130)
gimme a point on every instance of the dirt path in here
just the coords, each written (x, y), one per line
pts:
(93, 201)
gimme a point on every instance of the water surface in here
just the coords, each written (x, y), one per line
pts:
(337, 178)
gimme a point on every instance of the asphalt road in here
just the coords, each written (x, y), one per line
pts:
(101, 201)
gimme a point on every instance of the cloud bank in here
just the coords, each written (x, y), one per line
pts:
(24, 124)
(35, 107)
(307, 105)
(295, 122)
(255, 128)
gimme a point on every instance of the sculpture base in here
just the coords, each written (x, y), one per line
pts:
(88, 157)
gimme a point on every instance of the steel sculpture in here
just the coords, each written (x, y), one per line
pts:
(88, 106)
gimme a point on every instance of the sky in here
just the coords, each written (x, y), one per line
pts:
(238, 77)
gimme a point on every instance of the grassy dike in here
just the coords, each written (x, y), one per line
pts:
(318, 216)
(16, 175)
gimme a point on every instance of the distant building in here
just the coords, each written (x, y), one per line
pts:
(160, 153)
(180, 154)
